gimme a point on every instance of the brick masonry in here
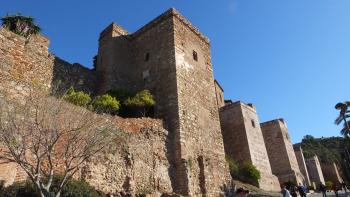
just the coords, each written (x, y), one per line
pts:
(244, 141)
(280, 151)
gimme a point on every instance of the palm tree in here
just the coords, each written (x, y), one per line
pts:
(343, 115)
(21, 25)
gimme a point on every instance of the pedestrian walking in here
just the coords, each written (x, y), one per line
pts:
(323, 189)
(285, 192)
(302, 190)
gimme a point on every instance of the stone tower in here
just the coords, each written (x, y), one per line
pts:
(172, 59)
(315, 170)
(243, 141)
(302, 165)
(331, 173)
(280, 151)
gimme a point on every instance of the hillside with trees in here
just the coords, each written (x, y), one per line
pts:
(329, 150)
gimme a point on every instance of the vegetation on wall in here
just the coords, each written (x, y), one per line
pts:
(106, 104)
(114, 102)
(328, 150)
(245, 172)
(78, 98)
(329, 185)
(21, 25)
(141, 102)
(61, 137)
(73, 188)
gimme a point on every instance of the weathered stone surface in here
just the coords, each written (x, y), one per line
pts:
(301, 163)
(219, 93)
(331, 173)
(136, 164)
(243, 141)
(25, 63)
(160, 57)
(315, 170)
(280, 151)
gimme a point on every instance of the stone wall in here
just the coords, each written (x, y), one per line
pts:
(315, 170)
(27, 62)
(200, 135)
(331, 173)
(160, 57)
(301, 163)
(243, 141)
(136, 164)
(280, 151)
(219, 93)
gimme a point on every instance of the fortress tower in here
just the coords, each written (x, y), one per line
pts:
(301, 163)
(280, 151)
(315, 170)
(331, 173)
(243, 141)
(172, 59)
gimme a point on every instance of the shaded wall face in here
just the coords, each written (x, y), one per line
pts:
(243, 141)
(114, 61)
(200, 135)
(302, 166)
(219, 93)
(315, 172)
(25, 64)
(289, 146)
(331, 173)
(276, 148)
(234, 133)
(256, 141)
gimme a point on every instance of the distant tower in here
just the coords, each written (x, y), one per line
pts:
(280, 151)
(315, 170)
(331, 173)
(302, 165)
(244, 142)
(172, 59)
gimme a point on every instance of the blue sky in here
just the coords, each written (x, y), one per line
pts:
(290, 58)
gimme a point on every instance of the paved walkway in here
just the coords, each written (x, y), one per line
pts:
(329, 194)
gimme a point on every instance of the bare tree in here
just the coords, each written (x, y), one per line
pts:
(46, 136)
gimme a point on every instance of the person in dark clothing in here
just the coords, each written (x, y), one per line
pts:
(323, 189)
(293, 191)
(344, 186)
(335, 189)
(302, 190)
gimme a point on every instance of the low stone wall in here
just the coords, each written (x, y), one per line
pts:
(136, 166)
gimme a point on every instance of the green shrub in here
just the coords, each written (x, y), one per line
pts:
(21, 189)
(79, 98)
(329, 185)
(120, 95)
(106, 104)
(141, 102)
(76, 188)
(249, 172)
(73, 188)
(233, 166)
